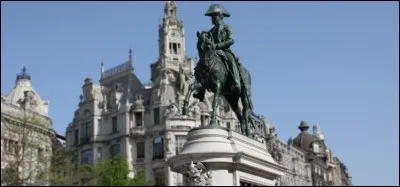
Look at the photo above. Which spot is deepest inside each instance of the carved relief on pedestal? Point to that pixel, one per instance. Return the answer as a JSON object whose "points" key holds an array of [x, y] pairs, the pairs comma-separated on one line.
{"points": [[197, 175]]}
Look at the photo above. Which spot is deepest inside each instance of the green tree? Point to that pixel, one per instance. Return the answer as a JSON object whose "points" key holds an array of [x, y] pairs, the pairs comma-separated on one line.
{"points": [[114, 172], [59, 167]]}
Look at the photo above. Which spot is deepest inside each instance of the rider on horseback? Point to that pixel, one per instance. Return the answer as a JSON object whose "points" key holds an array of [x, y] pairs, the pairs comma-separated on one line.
{"points": [[223, 39]]}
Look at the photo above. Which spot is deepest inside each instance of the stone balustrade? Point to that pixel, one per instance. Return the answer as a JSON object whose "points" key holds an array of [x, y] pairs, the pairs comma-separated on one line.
{"points": [[16, 112]]}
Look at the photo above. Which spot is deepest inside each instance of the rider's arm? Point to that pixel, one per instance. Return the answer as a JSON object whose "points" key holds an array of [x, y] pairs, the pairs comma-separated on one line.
{"points": [[229, 38]]}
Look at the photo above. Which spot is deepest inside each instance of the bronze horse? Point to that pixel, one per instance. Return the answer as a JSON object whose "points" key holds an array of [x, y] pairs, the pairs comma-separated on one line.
{"points": [[212, 74]]}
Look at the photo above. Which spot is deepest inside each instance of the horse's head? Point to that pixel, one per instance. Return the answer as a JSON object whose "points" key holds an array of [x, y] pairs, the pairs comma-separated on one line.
{"points": [[204, 42]]}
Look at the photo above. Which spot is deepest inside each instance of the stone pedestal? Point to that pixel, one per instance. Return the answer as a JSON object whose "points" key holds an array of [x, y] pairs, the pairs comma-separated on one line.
{"points": [[218, 157]]}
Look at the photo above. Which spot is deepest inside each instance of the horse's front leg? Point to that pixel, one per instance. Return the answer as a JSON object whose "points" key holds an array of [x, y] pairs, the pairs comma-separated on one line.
{"points": [[192, 87], [215, 105]]}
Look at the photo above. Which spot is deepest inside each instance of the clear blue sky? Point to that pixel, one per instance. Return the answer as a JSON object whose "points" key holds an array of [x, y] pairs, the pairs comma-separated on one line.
{"points": [[330, 63]]}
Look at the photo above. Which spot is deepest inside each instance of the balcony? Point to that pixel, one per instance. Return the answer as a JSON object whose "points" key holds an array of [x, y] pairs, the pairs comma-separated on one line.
{"points": [[137, 131]]}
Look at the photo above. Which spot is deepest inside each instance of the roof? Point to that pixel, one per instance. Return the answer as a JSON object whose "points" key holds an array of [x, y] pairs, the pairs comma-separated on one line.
{"points": [[304, 140], [23, 88]]}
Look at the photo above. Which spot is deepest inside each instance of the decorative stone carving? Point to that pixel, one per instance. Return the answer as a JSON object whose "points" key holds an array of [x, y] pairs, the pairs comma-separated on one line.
{"points": [[197, 175], [138, 100], [29, 101], [104, 103], [118, 87], [183, 84], [164, 80], [172, 109], [116, 94], [273, 147], [258, 138], [194, 110]]}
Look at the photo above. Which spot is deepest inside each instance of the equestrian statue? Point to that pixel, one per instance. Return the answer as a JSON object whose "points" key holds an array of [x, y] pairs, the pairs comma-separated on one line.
{"points": [[220, 72]]}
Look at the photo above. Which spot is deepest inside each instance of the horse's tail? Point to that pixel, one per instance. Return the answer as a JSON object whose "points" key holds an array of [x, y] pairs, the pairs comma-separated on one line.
{"points": [[245, 75], [255, 121]]}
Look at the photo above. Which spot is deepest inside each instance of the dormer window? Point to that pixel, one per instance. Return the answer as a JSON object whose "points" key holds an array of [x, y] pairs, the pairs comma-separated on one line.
{"points": [[315, 147]]}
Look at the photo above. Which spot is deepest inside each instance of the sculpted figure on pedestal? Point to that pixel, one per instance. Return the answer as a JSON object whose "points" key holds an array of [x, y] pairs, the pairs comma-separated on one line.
{"points": [[197, 175]]}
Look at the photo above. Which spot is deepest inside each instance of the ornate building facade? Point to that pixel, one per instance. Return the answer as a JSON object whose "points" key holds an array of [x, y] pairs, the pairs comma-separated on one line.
{"points": [[26, 133], [143, 121], [309, 161]]}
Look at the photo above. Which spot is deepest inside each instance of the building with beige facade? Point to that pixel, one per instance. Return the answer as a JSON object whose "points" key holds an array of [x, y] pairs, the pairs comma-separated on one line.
{"points": [[26, 133]]}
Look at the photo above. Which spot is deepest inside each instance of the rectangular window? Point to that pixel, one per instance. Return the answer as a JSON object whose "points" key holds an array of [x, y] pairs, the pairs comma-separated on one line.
{"points": [[228, 125], [88, 130], [158, 148], [114, 124], [202, 118], [99, 127], [115, 149], [170, 48], [180, 141], [140, 150], [76, 137], [138, 119], [82, 130], [156, 112], [86, 157]]}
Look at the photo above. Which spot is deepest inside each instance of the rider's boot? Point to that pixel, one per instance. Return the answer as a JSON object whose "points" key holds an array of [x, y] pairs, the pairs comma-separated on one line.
{"points": [[236, 78]]}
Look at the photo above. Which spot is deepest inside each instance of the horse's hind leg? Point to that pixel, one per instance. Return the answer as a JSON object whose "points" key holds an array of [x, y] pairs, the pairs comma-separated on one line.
{"points": [[215, 104], [192, 87], [234, 102]]}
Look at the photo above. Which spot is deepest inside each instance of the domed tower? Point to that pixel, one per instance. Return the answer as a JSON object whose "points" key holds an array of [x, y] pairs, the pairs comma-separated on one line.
{"points": [[309, 142], [23, 95]]}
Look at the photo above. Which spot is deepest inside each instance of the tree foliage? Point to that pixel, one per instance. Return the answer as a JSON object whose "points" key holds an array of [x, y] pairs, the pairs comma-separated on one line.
{"points": [[114, 172], [109, 172]]}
